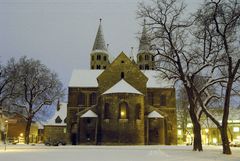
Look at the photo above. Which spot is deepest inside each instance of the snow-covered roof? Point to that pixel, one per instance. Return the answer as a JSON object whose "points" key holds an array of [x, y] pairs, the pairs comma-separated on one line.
{"points": [[122, 87], [84, 78], [61, 113], [155, 81], [155, 114], [88, 78], [89, 113]]}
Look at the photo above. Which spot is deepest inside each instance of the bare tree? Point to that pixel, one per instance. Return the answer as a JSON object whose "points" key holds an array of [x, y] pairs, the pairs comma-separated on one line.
{"points": [[37, 87], [170, 32], [220, 23], [7, 80]]}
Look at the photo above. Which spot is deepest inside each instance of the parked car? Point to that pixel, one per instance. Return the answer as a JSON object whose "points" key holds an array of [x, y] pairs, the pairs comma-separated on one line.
{"points": [[235, 143], [54, 142]]}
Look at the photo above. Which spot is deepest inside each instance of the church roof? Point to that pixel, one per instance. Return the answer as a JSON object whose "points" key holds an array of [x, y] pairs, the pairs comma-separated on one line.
{"points": [[99, 43], [61, 113], [84, 78], [122, 87], [89, 113], [155, 114], [88, 78]]}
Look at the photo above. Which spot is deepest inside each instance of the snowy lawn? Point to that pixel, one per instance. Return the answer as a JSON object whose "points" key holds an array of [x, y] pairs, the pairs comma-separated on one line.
{"points": [[114, 153]]}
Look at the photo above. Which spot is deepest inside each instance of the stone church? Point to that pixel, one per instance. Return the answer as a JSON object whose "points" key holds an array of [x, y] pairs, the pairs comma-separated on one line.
{"points": [[121, 101]]}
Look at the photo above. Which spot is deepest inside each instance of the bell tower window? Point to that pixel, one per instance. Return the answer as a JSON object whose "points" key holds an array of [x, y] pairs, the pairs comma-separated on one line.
{"points": [[98, 57], [98, 66]]}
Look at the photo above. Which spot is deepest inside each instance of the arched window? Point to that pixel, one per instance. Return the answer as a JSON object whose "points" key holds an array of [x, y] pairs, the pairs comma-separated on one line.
{"points": [[150, 98], [93, 98], [146, 67], [163, 100], [106, 111], [153, 58], [58, 120], [98, 66], [98, 57], [123, 110], [146, 57], [105, 58], [140, 58], [122, 75], [138, 112], [81, 99]]}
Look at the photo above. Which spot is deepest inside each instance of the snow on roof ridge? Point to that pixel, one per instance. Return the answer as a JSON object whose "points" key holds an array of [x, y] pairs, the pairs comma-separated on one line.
{"points": [[89, 113], [62, 113], [122, 87], [155, 114]]}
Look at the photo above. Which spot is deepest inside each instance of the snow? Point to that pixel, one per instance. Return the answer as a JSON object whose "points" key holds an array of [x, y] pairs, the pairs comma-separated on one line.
{"points": [[155, 114], [155, 81], [89, 113], [88, 78], [84, 78], [122, 87], [62, 113], [114, 153]]}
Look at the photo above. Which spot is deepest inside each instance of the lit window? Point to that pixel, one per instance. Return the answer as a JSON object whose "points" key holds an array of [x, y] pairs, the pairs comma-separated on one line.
{"points": [[236, 129], [123, 110]]}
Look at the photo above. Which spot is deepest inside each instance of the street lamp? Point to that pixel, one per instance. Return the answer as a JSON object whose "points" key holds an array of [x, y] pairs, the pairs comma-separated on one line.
{"points": [[6, 132]]}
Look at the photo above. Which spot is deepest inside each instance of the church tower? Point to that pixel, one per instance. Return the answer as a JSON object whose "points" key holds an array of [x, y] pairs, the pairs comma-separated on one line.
{"points": [[99, 55], [145, 58]]}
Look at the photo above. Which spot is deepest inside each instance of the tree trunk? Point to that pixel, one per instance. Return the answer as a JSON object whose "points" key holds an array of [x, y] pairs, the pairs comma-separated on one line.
{"points": [[225, 142], [197, 141], [27, 130]]}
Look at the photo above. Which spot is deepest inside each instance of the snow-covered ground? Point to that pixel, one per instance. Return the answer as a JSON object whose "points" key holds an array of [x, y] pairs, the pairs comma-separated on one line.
{"points": [[114, 153]]}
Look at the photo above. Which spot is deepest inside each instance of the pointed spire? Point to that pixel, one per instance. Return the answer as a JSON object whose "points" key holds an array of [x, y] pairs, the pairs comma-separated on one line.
{"points": [[145, 40], [99, 43], [131, 55]]}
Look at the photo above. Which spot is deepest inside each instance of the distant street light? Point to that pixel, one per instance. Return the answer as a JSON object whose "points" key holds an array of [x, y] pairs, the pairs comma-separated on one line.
{"points": [[6, 134]]}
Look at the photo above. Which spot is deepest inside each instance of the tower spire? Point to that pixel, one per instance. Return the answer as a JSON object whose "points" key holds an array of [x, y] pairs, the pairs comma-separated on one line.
{"points": [[144, 45], [99, 43]]}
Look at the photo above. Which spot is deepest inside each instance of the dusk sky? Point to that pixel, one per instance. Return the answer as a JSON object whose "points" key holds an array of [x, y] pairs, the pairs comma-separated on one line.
{"points": [[61, 33]]}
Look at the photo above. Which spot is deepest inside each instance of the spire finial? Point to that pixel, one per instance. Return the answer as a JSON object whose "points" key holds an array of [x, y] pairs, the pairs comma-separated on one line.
{"points": [[99, 43], [100, 20], [144, 21]]}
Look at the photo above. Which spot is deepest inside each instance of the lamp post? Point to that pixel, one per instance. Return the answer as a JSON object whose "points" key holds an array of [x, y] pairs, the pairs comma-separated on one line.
{"points": [[6, 132]]}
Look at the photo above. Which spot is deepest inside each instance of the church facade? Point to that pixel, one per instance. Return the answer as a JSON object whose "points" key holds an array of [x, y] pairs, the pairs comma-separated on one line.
{"points": [[121, 102]]}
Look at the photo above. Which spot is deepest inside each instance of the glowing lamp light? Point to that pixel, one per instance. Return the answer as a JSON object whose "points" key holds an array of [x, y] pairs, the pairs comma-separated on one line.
{"points": [[179, 132], [236, 129], [21, 134], [206, 130], [122, 113], [214, 140]]}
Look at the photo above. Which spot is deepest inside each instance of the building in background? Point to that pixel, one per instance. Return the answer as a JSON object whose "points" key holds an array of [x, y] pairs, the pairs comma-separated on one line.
{"points": [[210, 133], [55, 128]]}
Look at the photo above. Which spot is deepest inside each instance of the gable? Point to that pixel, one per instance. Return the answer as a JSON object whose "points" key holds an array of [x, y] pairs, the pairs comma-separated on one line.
{"points": [[122, 68]]}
